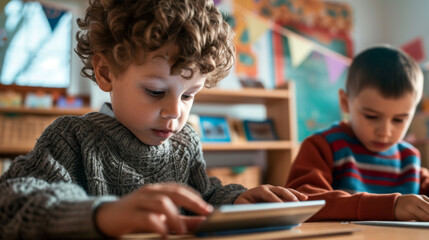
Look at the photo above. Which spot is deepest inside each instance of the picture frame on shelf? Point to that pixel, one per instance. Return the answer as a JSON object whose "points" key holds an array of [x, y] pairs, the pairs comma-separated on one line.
{"points": [[214, 129], [237, 130], [260, 130], [251, 83]]}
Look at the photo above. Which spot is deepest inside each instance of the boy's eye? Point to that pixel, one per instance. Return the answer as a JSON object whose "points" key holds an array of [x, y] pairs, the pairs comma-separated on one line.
{"points": [[398, 120], [371, 116], [154, 93], [186, 97]]}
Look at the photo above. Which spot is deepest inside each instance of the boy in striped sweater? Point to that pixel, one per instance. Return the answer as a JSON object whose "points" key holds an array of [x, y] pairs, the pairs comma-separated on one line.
{"points": [[361, 167]]}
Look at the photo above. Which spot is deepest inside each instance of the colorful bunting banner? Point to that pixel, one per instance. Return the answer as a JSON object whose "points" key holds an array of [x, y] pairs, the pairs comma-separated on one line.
{"points": [[53, 15], [256, 28], [415, 49], [335, 68], [299, 49]]}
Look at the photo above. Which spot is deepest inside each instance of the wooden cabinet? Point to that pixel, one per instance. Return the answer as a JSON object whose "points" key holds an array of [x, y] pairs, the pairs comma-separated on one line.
{"points": [[280, 106], [20, 126]]}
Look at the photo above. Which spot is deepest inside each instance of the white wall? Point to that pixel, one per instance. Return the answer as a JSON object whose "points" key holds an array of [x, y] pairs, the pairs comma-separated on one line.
{"points": [[393, 22]]}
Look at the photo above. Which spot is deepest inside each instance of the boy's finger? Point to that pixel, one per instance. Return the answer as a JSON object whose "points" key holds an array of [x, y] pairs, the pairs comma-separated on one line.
{"points": [[151, 222], [192, 202], [182, 196], [285, 194], [193, 222], [424, 208], [162, 204], [268, 194], [298, 194]]}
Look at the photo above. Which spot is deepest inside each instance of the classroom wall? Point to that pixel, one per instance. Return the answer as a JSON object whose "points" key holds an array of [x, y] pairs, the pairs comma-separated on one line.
{"points": [[389, 21], [375, 22]]}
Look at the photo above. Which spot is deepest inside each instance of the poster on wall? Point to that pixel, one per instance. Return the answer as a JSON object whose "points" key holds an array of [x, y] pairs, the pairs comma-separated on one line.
{"points": [[304, 41]]}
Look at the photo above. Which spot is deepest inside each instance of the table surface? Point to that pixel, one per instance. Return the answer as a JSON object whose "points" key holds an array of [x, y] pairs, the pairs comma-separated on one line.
{"points": [[318, 230]]}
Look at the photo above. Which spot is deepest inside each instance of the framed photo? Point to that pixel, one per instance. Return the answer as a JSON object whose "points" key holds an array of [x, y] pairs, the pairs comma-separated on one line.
{"points": [[214, 129], [260, 130], [237, 130], [251, 83]]}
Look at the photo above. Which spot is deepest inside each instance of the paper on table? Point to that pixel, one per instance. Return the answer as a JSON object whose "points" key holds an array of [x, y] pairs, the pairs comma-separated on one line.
{"points": [[395, 223]]}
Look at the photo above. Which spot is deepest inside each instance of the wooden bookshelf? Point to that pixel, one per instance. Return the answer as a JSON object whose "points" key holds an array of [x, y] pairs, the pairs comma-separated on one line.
{"points": [[46, 111], [20, 126], [280, 106]]}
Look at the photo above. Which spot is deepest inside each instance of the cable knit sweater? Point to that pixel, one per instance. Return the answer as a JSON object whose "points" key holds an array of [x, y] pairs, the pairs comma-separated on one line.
{"points": [[81, 162]]}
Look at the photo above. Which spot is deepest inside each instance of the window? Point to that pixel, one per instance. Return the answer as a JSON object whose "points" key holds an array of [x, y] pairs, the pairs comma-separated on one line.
{"points": [[36, 51]]}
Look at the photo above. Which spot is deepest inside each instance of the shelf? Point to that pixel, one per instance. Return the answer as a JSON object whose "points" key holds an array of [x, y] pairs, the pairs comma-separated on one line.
{"points": [[280, 107], [14, 151], [234, 96], [245, 146], [47, 111]]}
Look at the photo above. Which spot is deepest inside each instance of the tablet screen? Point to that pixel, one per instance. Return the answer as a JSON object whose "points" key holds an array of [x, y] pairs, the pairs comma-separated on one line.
{"points": [[230, 219]]}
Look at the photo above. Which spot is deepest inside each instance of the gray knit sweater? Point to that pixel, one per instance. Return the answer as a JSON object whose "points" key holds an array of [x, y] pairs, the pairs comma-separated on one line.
{"points": [[81, 162]]}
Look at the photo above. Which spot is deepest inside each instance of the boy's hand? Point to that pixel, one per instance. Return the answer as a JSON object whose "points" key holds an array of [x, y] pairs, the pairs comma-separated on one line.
{"points": [[412, 207], [269, 193], [152, 208]]}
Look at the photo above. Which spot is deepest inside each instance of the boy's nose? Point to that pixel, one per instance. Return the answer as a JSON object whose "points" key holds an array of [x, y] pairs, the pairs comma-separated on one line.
{"points": [[171, 109], [384, 130]]}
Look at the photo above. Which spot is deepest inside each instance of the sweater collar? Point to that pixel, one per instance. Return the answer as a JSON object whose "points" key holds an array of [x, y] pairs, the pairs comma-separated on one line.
{"points": [[106, 109], [122, 135]]}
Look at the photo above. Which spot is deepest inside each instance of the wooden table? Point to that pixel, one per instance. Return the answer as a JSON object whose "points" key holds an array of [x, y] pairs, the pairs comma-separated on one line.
{"points": [[320, 231]]}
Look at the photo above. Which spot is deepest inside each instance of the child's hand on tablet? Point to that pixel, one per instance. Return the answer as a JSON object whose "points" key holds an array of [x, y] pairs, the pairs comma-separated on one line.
{"points": [[269, 193], [153, 208]]}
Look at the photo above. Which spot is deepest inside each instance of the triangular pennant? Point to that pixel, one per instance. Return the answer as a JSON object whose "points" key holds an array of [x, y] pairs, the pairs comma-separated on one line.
{"points": [[415, 49], [53, 15], [299, 49], [335, 68], [256, 28]]}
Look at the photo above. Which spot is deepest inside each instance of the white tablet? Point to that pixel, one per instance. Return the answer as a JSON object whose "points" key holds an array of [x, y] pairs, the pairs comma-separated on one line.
{"points": [[244, 218]]}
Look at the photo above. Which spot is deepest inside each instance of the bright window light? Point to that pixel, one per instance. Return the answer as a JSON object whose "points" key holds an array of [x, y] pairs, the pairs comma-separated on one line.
{"points": [[34, 54]]}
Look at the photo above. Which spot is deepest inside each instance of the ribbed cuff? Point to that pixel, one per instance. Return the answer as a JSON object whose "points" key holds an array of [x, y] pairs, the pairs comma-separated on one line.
{"points": [[377, 207], [75, 220]]}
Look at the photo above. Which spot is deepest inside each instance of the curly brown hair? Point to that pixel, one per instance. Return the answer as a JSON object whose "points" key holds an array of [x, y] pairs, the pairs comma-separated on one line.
{"points": [[119, 28]]}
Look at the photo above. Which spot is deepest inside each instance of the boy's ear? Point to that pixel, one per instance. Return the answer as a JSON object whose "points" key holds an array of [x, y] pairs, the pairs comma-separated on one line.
{"points": [[102, 72], [344, 101]]}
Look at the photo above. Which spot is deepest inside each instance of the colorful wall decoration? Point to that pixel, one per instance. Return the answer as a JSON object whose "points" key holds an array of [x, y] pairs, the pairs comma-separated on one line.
{"points": [[304, 41]]}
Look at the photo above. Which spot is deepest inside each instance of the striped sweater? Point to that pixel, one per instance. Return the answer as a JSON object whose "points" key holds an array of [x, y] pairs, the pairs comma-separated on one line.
{"points": [[355, 183], [358, 170]]}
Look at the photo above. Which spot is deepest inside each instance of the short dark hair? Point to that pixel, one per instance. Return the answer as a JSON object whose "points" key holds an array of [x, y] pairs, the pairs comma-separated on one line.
{"points": [[389, 70], [119, 28]]}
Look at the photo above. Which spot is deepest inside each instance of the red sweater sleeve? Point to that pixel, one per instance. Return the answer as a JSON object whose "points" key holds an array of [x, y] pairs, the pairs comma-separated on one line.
{"points": [[311, 174], [424, 181]]}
